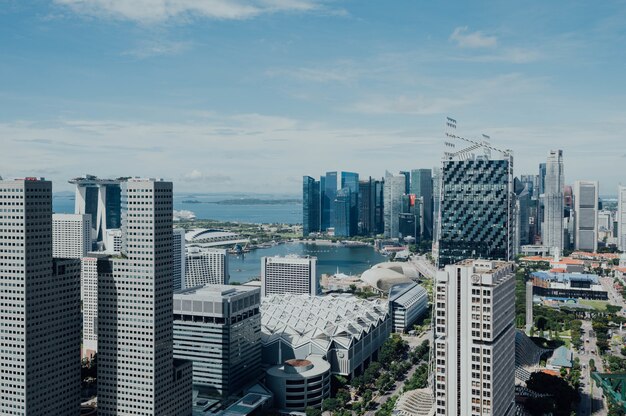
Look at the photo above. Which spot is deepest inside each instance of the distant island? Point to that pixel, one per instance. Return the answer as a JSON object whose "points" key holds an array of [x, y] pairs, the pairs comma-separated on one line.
{"points": [[256, 201], [191, 201]]}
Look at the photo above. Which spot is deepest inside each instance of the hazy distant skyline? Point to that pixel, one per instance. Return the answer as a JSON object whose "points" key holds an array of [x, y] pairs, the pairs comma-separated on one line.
{"points": [[249, 95]]}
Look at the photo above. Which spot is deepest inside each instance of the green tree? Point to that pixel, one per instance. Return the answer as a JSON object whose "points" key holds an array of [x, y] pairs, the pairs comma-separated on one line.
{"points": [[311, 411]]}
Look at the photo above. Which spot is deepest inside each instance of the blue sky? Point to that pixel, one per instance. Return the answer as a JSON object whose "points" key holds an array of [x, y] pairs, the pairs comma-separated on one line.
{"points": [[249, 95]]}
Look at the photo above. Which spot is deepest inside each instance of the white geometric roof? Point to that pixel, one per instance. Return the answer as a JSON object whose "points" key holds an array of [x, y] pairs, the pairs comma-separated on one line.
{"points": [[323, 320]]}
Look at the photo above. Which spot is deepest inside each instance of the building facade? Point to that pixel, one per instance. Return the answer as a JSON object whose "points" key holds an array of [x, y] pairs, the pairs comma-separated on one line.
{"points": [[408, 302], [92, 265], [621, 217], [475, 339], [218, 329], [552, 232], [71, 235], [290, 274], [178, 258], [137, 373], [205, 266], [422, 188], [586, 196], [40, 319], [477, 210], [99, 198], [393, 191], [311, 206]]}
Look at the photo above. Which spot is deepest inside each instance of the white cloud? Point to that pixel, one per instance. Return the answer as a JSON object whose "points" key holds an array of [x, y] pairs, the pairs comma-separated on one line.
{"points": [[156, 11], [478, 39], [157, 47]]}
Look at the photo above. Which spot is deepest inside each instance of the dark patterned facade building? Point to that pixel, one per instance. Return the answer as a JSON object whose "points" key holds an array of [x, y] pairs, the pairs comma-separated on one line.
{"points": [[311, 206], [477, 207]]}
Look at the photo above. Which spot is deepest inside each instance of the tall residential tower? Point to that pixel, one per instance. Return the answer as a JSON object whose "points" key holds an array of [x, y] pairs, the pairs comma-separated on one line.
{"points": [[552, 232]]}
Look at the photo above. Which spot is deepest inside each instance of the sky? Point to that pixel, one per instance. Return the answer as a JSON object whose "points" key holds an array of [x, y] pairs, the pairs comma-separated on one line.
{"points": [[250, 95]]}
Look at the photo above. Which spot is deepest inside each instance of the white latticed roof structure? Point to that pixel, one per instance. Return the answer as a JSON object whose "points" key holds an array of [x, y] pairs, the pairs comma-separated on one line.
{"points": [[415, 403], [345, 330]]}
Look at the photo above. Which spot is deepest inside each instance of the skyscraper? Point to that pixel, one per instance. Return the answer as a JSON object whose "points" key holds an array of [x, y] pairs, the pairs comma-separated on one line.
{"points": [[218, 328], [71, 235], [99, 198], [367, 208], [393, 192], [350, 180], [422, 187], [586, 195], [40, 318], [311, 206], [178, 258], [477, 205], [436, 202], [329, 188], [137, 373], [343, 213], [621, 217], [475, 339], [407, 181], [291, 274], [553, 201], [523, 204]]}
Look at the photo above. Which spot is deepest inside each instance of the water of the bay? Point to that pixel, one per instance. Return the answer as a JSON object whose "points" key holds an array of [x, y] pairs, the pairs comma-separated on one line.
{"points": [[204, 207], [330, 258]]}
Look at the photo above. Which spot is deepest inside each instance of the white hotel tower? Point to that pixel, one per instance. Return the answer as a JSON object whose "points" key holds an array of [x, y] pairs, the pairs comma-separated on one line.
{"points": [[290, 274], [475, 339]]}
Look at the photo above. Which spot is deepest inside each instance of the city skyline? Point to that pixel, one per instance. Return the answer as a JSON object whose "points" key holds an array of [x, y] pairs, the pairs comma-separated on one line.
{"points": [[213, 95]]}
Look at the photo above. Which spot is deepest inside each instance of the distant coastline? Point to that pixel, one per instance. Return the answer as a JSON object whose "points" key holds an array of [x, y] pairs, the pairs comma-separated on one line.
{"points": [[256, 201]]}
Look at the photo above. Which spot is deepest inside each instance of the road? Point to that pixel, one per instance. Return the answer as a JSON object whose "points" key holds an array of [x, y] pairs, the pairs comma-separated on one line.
{"points": [[591, 402], [424, 266], [397, 389]]}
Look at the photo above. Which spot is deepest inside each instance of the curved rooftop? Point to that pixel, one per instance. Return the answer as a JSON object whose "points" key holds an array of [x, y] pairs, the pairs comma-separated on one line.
{"points": [[323, 320], [383, 276], [209, 237]]}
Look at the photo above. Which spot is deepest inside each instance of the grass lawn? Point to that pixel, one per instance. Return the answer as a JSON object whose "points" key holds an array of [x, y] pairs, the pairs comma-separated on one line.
{"points": [[599, 305]]}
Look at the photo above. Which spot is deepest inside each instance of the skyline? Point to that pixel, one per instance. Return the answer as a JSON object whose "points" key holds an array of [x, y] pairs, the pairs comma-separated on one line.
{"points": [[240, 96]]}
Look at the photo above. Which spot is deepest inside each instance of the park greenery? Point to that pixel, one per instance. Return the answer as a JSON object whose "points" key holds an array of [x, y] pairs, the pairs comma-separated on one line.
{"points": [[395, 360], [562, 396]]}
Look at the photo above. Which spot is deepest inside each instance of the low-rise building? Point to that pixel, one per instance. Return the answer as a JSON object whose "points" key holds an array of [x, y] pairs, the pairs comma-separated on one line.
{"points": [[299, 383], [348, 331], [408, 302], [568, 285]]}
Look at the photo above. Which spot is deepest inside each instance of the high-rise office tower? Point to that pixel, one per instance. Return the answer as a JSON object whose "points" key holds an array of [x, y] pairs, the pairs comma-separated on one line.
{"points": [[218, 328], [366, 207], [379, 207], [350, 181], [40, 318], [407, 181], [552, 232], [393, 191], [475, 339], [290, 274], [178, 258], [311, 206], [205, 266], [99, 198], [523, 204], [477, 209], [436, 202], [343, 213], [71, 235], [422, 187], [531, 184], [541, 189], [621, 217], [137, 373], [329, 187], [94, 264], [586, 194]]}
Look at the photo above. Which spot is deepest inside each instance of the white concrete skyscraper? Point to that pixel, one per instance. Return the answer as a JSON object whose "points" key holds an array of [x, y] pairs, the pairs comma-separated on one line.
{"points": [[40, 312], [290, 274], [71, 235], [586, 215], [394, 189], [475, 339], [554, 201], [137, 373], [621, 217]]}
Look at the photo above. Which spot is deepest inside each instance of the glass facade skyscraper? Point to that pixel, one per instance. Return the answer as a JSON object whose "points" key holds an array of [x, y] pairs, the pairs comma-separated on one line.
{"points": [[476, 210], [422, 187], [311, 206], [343, 211], [329, 192]]}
